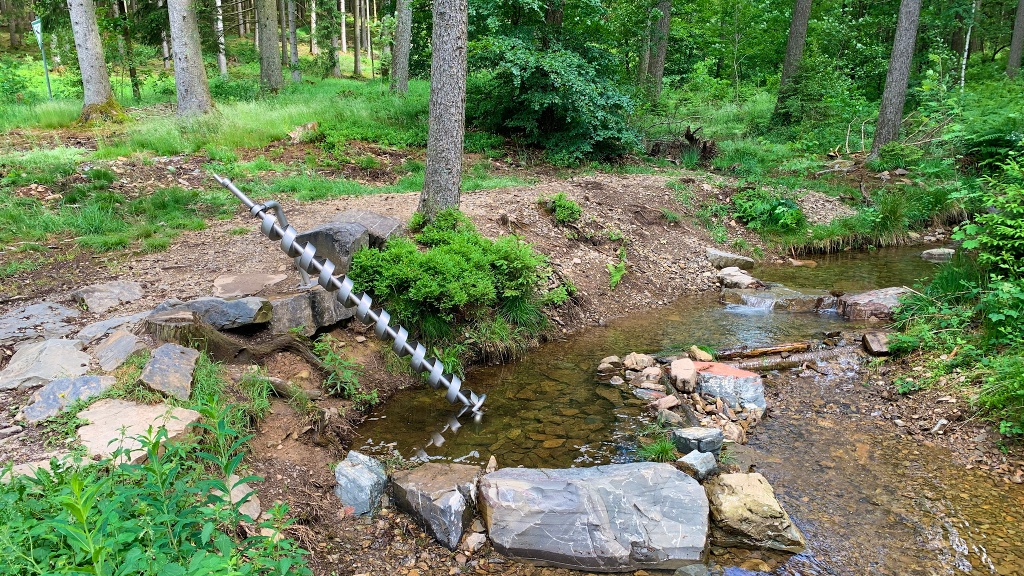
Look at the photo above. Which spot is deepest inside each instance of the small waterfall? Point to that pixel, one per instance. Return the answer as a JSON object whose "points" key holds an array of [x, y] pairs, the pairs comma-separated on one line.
{"points": [[759, 302]]}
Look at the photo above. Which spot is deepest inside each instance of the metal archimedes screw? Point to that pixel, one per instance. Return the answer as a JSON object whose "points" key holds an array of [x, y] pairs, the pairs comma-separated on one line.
{"points": [[276, 228]]}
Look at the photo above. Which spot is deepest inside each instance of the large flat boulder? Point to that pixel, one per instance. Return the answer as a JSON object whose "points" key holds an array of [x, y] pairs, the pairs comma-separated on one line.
{"points": [[379, 227], [337, 242], [615, 518], [224, 313], [36, 322], [361, 482], [99, 298], [733, 277], [873, 305], [97, 330], [115, 424], [737, 387], [442, 497], [113, 351], [51, 399], [38, 363], [307, 311], [235, 285], [747, 514], [721, 259], [170, 370]]}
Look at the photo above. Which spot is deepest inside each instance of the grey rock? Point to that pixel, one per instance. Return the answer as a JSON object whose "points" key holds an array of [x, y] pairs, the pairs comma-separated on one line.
{"points": [[938, 254], [692, 570], [876, 343], [361, 481], [720, 259], [684, 375], [235, 285], [307, 311], [380, 228], [36, 322], [337, 242], [670, 418], [698, 438], [51, 399], [40, 362], [223, 313], [99, 298], [940, 426], [613, 518], [116, 424], [733, 277], [97, 330], [872, 305], [648, 395], [9, 431], [441, 497], [699, 464], [474, 542], [113, 351], [747, 514], [170, 370], [737, 387]]}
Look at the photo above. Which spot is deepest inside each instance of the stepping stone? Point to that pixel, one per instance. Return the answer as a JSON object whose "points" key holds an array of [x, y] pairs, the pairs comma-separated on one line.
{"points": [[361, 481], [938, 254], [740, 388], [441, 497], [104, 435], [872, 305], [720, 259], [53, 398], [36, 322], [697, 438], [170, 370], [380, 228], [97, 330], [99, 298], [222, 313], [699, 464], [41, 362], [113, 351], [233, 285]]}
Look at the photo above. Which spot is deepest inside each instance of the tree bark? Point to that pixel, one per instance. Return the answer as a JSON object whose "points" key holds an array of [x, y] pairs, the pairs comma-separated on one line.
{"points": [[890, 113], [344, 25], [98, 98], [656, 68], [446, 123], [313, 48], [164, 45], [1016, 43], [270, 59], [293, 43], [283, 11], [240, 18], [403, 46], [967, 44], [218, 27], [357, 53], [794, 56], [189, 73]]}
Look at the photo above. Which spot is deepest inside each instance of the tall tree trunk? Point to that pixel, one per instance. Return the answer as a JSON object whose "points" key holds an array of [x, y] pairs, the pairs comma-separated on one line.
{"points": [[270, 58], [284, 30], [1016, 43], [293, 43], [240, 17], [403, 45], [890, 114], [967, 44], [344, 26], [366, 27], [656, 68], [218, 28], [313, 48], [129, 52], [165, 47], [447, 120], [336, 71], [189, 73], [794, 55], [357, 53], [98, 98]]}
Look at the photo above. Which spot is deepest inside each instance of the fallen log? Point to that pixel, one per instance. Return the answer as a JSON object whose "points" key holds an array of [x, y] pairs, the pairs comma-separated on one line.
{"points": [[777, 362], [746, 352]]}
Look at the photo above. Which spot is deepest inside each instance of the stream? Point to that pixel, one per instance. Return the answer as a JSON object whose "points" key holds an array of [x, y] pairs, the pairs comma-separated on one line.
{"points": [[868, 500]]}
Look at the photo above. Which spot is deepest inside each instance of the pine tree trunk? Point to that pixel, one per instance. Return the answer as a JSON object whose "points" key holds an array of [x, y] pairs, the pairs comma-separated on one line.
{"points": [[283, 11], [313, 48], [446, 124], [357, 53], [270, 59], [403, 45], [218, 28], [344, 25], [336, 71], [890, 114], [98, 98], [240, 18], [1016, 43], [656, 68], [293, 43], [794, 54], [164, 46], [189, 72]]}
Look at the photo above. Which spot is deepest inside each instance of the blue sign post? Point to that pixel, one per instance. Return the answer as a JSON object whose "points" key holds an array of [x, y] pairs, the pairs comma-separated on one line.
{"points": [[37, 27]]}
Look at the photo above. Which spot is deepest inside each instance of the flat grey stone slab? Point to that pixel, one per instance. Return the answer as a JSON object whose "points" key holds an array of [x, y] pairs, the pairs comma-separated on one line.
{"points": [[234, 285], [442, 497], [224, 313], [170, 370], [938, 254], [53, 398], [113, 351], [99, 298], [872, 305], [380, 228], [337, 242], [698, 438], [97, 330], [38, 363], [36, 322], [361, 482], [876, 343], [698, 464], [615, 518], [721, 259], [737, 387], [108, 417]]}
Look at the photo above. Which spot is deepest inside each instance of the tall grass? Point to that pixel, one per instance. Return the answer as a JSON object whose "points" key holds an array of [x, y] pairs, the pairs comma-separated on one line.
{"points": [[52, 114]]}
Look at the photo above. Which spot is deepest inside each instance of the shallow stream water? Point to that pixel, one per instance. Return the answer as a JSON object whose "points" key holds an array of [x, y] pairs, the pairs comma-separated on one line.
{"points": [[869, 501]]}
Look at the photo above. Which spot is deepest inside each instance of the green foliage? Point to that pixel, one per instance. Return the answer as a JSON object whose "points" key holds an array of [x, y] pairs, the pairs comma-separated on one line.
{"points": [[564, 209], [897, 155], [997, 232], [764, 211], [661, 449], [1002, 391], [990, 128], [615, 273], [342, 374], [670, 216]]}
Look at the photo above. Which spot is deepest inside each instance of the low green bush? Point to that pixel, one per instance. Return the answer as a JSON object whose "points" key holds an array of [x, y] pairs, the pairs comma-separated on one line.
{"points": [[764, 211], [564, 209]]}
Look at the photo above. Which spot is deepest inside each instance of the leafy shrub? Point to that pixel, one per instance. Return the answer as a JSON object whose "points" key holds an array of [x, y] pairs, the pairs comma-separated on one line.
{"points": [[1002, 307], [997, 231], [990, 129], [1003, 391], [234, 90], [762, 210], [13, 86], [342, 374], [564, 209], [897, 155]]}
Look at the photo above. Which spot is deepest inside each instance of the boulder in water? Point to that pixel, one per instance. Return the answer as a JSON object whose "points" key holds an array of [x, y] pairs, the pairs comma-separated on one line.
{"points": [[739, 388], [747, 514], [938, 254], [733, 277], [872, 305]]}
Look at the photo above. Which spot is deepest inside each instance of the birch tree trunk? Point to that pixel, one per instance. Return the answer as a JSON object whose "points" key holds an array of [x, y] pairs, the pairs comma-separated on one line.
{"points": [[446, 123], [344, 25], [890, 113], [1016, 43], [794, 55], [357, 53], [656, 68], [98, 98], [293, 43], [218, 27], [189, 73], [240, 18], [403, 45], [313, 48], [967, 44], [270, 58]]}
